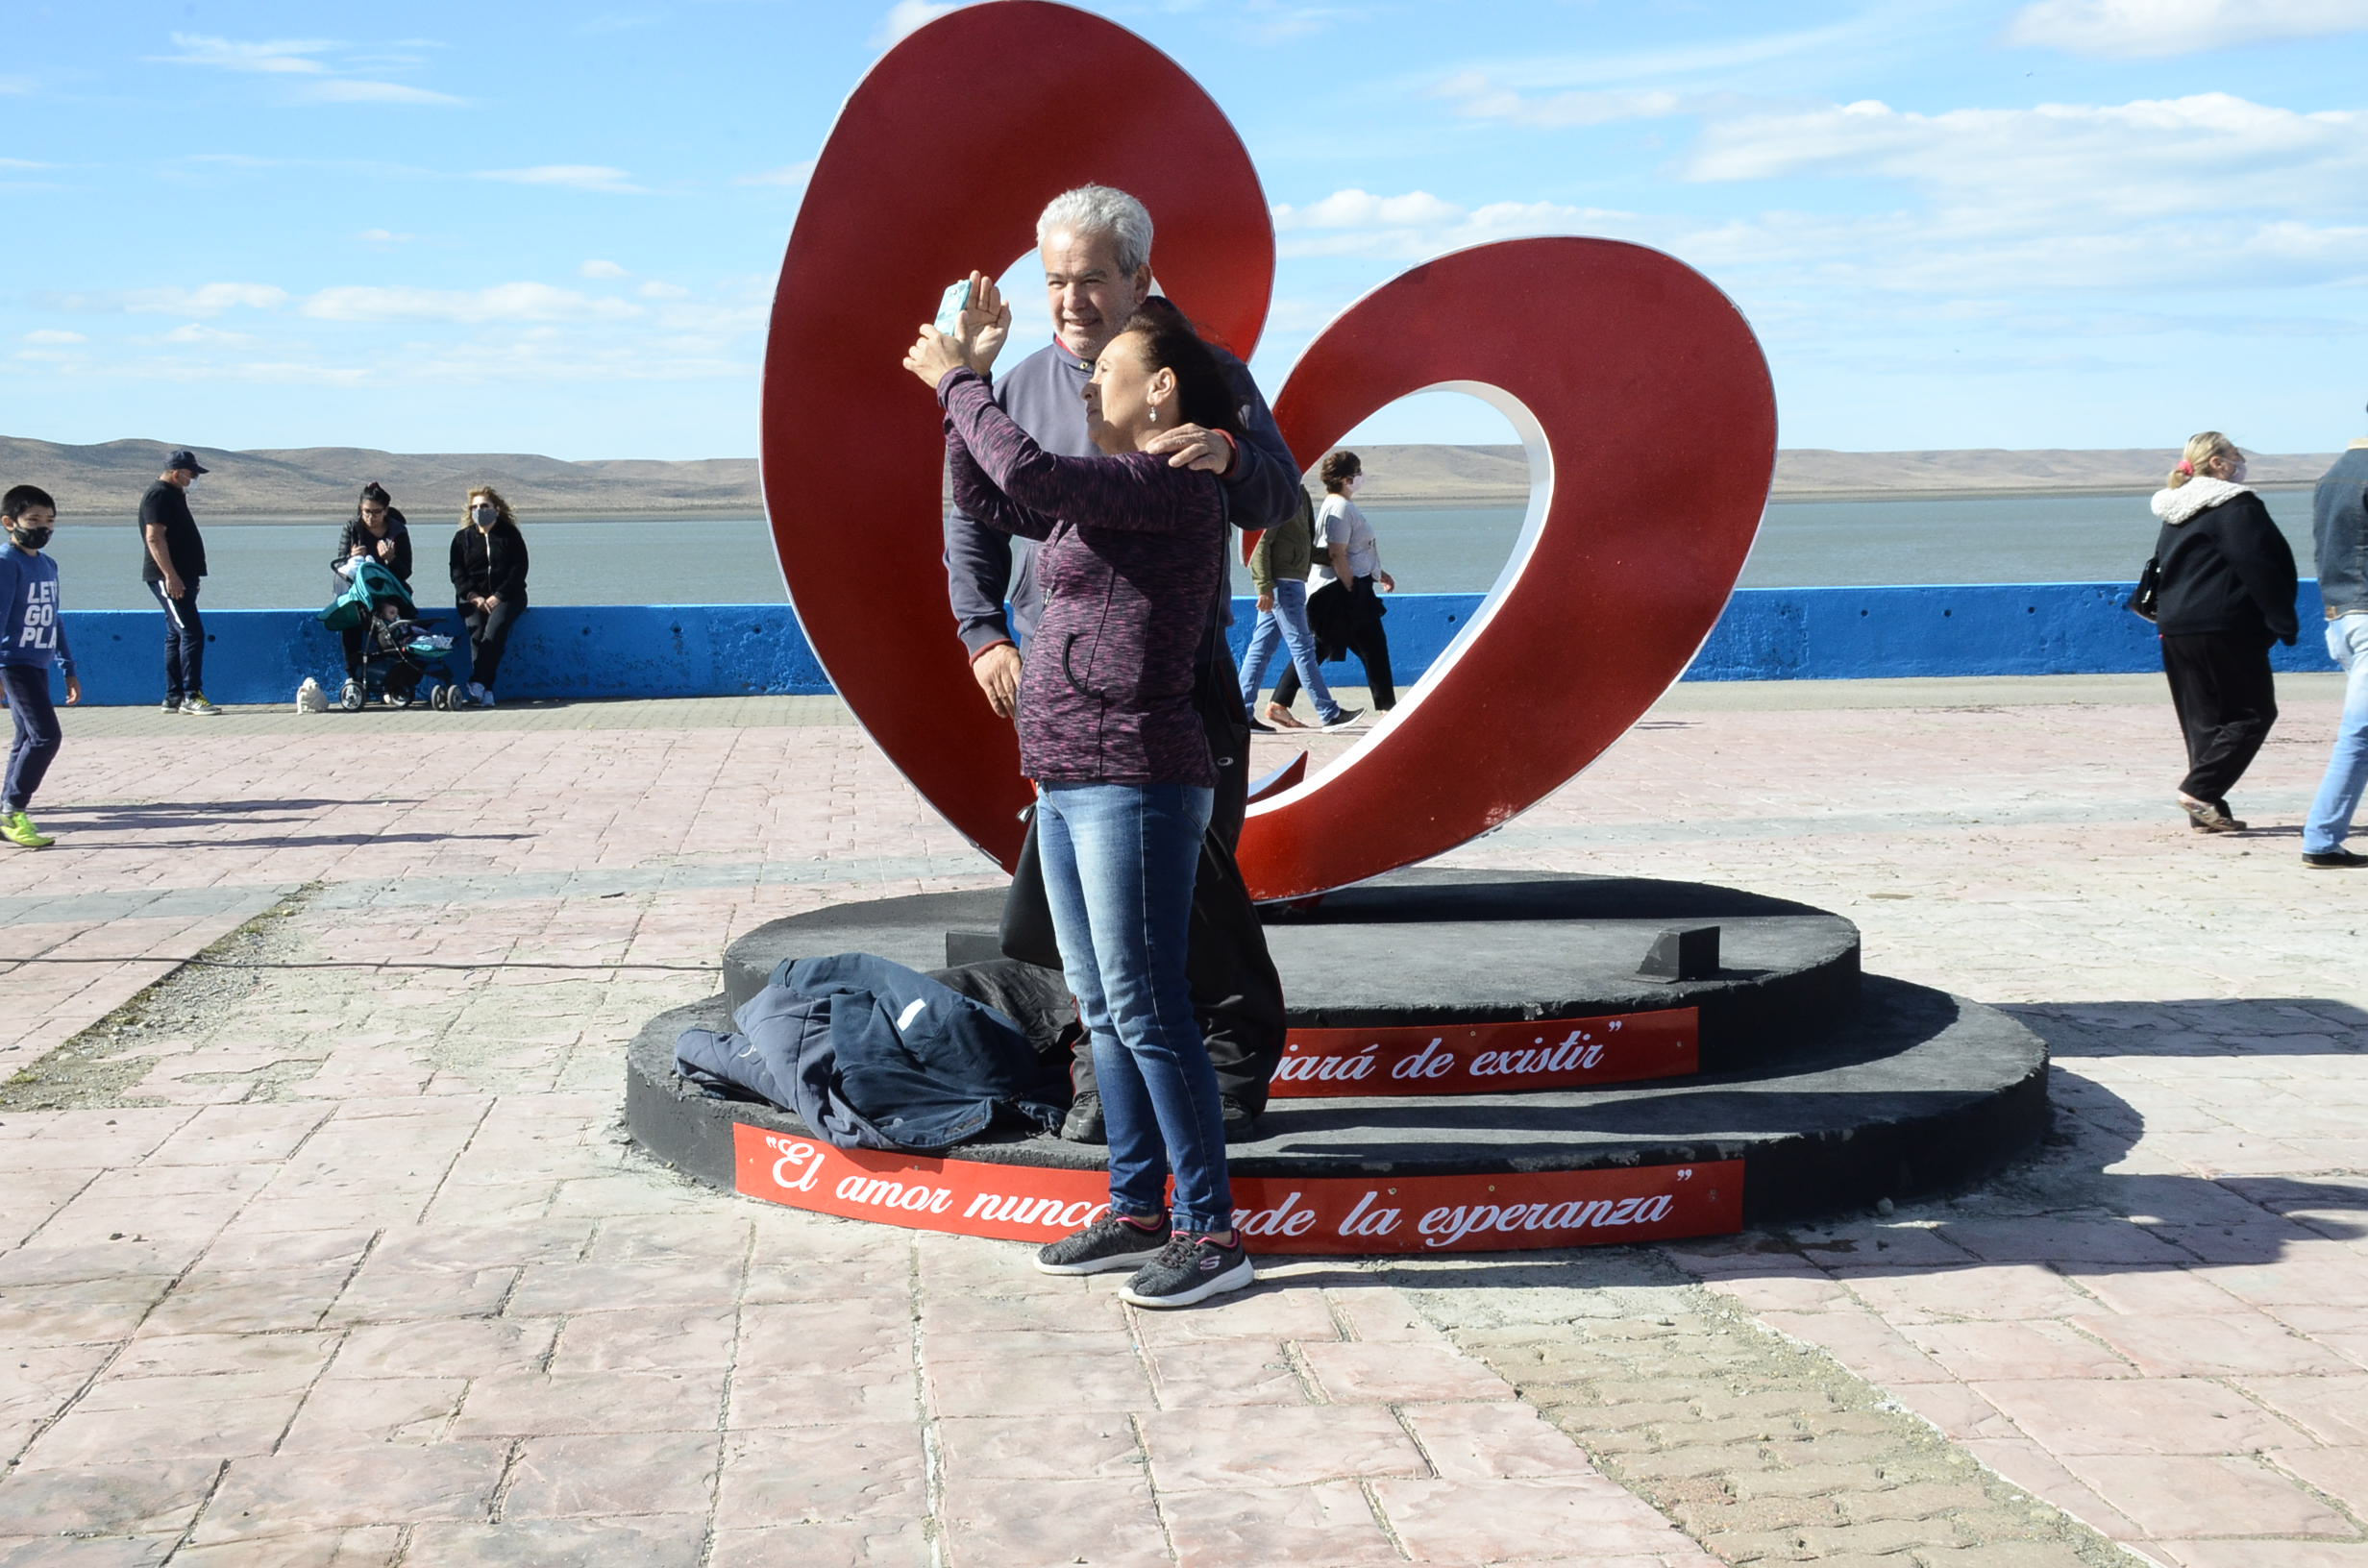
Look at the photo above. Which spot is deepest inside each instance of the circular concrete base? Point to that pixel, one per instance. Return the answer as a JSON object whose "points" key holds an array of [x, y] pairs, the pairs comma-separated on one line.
{"points": [[1920, 1092], [1426, 949]]}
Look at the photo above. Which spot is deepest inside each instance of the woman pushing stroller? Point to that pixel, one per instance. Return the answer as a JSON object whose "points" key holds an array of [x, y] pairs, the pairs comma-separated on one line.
{"points": [[1131, 551]]}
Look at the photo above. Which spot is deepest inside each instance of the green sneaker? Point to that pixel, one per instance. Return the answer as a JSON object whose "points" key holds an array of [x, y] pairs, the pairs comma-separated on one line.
{"points": [[17, 828], [195, 702]]}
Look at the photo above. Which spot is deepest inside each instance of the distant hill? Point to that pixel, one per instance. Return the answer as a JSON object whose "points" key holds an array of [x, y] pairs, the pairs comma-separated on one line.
{"points": [[106, 480]]}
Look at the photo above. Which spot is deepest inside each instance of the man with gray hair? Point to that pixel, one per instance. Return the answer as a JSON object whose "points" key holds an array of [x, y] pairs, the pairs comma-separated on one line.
{"points": [[1096, 246]]}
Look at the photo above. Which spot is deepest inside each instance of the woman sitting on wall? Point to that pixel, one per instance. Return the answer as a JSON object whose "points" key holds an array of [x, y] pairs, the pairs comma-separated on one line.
{"points": [[375, 533], [1131, 553], [489, 582]]}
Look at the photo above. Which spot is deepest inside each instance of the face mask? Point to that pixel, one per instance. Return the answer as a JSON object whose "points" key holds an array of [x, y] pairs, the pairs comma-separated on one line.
{"points": [[30, 538], [483, 516]]}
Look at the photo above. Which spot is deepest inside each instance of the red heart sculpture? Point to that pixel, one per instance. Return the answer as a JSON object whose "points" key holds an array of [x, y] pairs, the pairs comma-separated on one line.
{"points": [[1652, 427]]}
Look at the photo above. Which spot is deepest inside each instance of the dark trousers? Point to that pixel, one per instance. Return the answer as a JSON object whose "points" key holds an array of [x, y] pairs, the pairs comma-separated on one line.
{"points": [[488, 636], [1237, 995], [2226, 699], [185, 642], [352, 637], [37, 734], [1366, 639]]}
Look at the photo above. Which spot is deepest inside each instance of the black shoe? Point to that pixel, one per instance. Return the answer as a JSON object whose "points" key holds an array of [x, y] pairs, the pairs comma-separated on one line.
{"points": [[2332, 860], [1190, 1269], [1108, 1243], [172, 704], [1262, 728], [1084, 1124], [1241, 1121]]}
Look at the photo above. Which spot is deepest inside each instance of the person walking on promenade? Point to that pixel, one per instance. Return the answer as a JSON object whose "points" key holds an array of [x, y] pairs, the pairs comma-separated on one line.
{"points": [[489, 584], [1344, 608], [375, 532], [31, 639], [1278, 568], [2226, 592], [173, 563], [1094, 244], [1131, 556], [2339, 533]]}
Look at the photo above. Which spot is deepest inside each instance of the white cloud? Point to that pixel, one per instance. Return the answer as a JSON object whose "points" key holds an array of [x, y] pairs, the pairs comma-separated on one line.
{"points": [[206, 300], [570, 176], [502, 302], [10, 85], [50, 334], [385, 237], [656, 290], [909, 16], [281, 57], [348, 90], [198, 333], [597, 268], [2075, 162], [789, 174], [1477, 95], [2152, 29], [20, 163], [1358, 222]]}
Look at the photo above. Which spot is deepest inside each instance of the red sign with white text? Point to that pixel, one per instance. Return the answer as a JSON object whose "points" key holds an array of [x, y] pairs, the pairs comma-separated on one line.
{"points": [[1489, 1058], [1357, 1214]]}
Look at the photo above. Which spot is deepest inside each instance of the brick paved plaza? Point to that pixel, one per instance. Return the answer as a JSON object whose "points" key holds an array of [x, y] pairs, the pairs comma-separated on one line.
{"points": [[353, 1266]]}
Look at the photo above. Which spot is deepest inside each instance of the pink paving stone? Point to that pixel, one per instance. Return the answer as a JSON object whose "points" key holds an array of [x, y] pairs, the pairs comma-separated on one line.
{"points": [[274, 1495], [805, 1399], [547, 1289], [1349, 1371], [248, 1300], [1226, 1447], [2044, 1240], [1225, 1372], [1040, 1447], [237, 1251], [669, 1541], [1379, 1314], [41, 1264], [1070, 1310], [121, 1551], [79, 1312], [234, 1135], [1804, 1292], [107, 1498], [1993, 1292], [361, 1413], [1496, 1520], [34, 1382], [534, 1405], [1330, 1523], [1977, 1352], [1956, 1410], [2341, 1473], [868, 1544], [404, 1292], [370, 1546], [2175, 1495], [2333, 1409], [1887, 1246], [1863, 1342], [2137, 1415], [2041, 1474], [460, 1248], [1038, 1384], [2239, 1344], [556, 1477], [1000, 1523], [1252, 1315], [461, 1348], [183, 1428], [2140, 1291], [635, 1341], [1495, 1440], [821, 1475], [2259, 1553]]}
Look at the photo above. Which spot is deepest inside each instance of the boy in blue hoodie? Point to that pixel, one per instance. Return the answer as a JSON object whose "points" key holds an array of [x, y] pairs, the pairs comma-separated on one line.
{"points": [[31, 639]]}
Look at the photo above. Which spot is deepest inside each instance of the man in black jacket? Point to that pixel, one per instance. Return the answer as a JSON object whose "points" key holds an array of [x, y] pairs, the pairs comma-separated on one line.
{"points": [[172, 563], [1096, 247]]}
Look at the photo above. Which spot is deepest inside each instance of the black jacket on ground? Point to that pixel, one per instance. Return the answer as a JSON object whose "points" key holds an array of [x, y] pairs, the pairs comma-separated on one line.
{"points": [[357, 535], [491, 563], [2226, 569]]}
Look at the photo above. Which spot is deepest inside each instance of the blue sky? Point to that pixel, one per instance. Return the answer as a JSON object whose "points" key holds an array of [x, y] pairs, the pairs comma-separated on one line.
{"points": [[525, 227]]}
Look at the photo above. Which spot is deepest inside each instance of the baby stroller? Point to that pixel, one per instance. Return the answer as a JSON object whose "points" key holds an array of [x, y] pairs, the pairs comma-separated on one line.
{"points": [[400, 653]]}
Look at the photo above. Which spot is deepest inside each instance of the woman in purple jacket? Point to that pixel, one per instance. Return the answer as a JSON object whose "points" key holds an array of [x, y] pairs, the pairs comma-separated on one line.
{"points": [[1131, 553]]}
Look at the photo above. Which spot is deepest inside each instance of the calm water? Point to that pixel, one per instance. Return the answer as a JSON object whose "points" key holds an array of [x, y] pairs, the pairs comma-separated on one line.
{"points": [[711, 560]]}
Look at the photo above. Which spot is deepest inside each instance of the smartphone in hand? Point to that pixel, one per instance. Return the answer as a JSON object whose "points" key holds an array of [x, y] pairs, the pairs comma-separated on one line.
{"points": [[950, 308]]}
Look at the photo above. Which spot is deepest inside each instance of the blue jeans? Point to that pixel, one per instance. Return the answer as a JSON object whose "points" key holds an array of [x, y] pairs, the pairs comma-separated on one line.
{"points": [[1286, 623], [185, 642], [2347, 771], [37, 734], [1119, 863]]}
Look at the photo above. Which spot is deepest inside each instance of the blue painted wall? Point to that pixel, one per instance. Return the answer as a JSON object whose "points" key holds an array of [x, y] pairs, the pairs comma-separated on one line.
{"points": [[2045, 628]]}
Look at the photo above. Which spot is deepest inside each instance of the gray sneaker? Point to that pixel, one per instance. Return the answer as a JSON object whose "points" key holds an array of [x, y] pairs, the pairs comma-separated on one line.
{"points": [[1189, 1270], [195, 702], [1108, 1243], [1084, 1122]]}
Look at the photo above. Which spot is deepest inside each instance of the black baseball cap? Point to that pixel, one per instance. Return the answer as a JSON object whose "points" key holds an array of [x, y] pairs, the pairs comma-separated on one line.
{"points": [[183, 458]]}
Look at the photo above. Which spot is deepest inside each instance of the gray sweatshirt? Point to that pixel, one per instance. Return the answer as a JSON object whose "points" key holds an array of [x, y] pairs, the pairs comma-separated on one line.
{"points": [[1045, 396]]}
